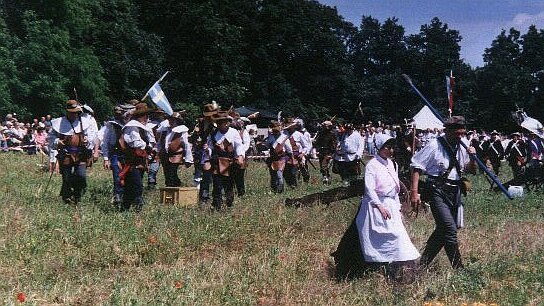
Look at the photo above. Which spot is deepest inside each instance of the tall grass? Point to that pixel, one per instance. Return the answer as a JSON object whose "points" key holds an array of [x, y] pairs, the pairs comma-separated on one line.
{"points": [[258, 253]]}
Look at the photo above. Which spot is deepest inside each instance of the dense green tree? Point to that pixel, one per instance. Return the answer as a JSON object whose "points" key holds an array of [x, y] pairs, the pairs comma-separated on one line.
{"points": [[9, 79], [501, 81]]}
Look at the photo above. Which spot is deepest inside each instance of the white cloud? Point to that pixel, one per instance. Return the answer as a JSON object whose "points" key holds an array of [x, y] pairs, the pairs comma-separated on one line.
{"points": [[523, 20]]}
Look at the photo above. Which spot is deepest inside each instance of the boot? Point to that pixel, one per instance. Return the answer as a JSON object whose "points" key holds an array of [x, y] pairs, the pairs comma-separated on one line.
{"points": [[454, 256]]}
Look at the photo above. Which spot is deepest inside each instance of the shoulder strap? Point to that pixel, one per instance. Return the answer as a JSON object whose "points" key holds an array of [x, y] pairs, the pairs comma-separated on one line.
{"points": [[453, 159]]}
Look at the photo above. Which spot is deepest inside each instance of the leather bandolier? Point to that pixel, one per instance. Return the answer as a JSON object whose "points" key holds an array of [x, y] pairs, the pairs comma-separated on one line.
{"points": [[176, 150], [222, 156], [133, 157], [74, 151], [294, 160], [278, 156]]}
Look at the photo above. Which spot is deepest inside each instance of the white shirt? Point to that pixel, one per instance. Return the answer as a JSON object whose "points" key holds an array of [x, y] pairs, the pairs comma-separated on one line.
{"points": [[63, 127], [272, 141], [110, 138], [350, 147], [232, 136], [131, 135], [188, 150], [302, 142], [433, 159]]}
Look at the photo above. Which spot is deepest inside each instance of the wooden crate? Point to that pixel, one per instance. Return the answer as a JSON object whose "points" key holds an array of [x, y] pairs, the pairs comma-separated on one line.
{"points": [[182, 196]]}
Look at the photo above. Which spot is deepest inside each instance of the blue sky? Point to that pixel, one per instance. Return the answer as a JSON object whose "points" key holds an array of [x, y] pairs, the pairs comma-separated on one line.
{"points": [[478, 21]]}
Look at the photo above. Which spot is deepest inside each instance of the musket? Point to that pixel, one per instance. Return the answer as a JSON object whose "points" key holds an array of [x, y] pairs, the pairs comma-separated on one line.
{"points": [[472, 155]]}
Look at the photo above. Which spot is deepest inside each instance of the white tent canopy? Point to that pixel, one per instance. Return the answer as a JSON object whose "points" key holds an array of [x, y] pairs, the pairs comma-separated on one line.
{"points": [[425, 119]]}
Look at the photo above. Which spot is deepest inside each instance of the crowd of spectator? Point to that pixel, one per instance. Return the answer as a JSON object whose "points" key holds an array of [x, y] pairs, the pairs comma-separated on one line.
{"points": [[28, 137]]}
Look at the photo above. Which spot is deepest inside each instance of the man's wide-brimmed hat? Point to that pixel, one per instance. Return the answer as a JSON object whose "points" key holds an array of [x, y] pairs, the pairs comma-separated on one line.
{"points": [[72, 106], [141, 109], [210, 109], [221, 115], [494, 132], [516, 134], [455, 122], [327, 123], [178, 115]]}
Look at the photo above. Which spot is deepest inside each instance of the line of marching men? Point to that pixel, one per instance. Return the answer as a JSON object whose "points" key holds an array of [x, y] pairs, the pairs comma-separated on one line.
{"points": [[140, 138]]}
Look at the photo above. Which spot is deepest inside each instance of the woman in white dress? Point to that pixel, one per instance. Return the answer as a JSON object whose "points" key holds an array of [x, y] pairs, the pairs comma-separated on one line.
{"points": [[382, 235]]}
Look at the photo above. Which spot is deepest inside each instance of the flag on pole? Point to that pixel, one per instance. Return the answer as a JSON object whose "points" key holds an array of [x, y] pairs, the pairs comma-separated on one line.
{"points": [[158, 97], [450, 82]]}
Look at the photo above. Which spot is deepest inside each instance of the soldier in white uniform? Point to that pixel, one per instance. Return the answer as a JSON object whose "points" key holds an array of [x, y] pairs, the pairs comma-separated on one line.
{"points": [[174, 148], [349, 153], [300, 149], [138, 143], [73, 137], [443, 160], [225, 148], [280, 151]]}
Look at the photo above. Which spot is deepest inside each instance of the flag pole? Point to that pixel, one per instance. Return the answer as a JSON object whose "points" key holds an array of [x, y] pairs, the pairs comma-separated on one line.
{"points": [[158, 81]]}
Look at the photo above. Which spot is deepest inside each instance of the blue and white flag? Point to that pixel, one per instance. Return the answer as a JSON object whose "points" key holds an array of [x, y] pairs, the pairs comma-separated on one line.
{"points": [[158, 97]]}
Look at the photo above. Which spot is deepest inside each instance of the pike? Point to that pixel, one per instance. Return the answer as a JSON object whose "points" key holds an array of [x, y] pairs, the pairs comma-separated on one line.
{"points": [[473, 156]]}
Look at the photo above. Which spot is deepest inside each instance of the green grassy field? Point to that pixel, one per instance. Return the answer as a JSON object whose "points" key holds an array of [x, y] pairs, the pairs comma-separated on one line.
{"points": [[258, 253]]}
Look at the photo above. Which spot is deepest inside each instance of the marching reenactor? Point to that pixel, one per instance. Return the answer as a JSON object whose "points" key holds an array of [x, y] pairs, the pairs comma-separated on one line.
{"points": [[137, 142], [534, 150], [73, 137], [482, 148], [156, 118], [280, 151], [495, 152], [349, 153], [198, 138], [304, 169], [111, 150], [225, 148], [326, 143], [89, 113], [238, 171], [300, 148], [174, 148], [443, 160], [516, 154]]}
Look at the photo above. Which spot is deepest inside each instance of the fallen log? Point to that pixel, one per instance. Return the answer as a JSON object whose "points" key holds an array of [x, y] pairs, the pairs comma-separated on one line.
{"points": [[355, 189]]}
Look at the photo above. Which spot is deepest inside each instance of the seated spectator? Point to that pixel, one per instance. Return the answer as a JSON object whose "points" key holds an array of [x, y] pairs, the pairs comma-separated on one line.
{"points": [[29, 143], [40, 138], [3, 140]]}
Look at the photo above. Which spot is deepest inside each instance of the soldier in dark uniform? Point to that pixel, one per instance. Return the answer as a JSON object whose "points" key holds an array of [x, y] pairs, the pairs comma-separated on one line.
{"points": [[443, 160], [516, 154], [198, 138], [326, 143], [495, 152], [482, 146]]}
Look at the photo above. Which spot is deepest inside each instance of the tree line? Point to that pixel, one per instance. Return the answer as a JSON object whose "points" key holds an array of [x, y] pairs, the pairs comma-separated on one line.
{"points": [[297, 56]]}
